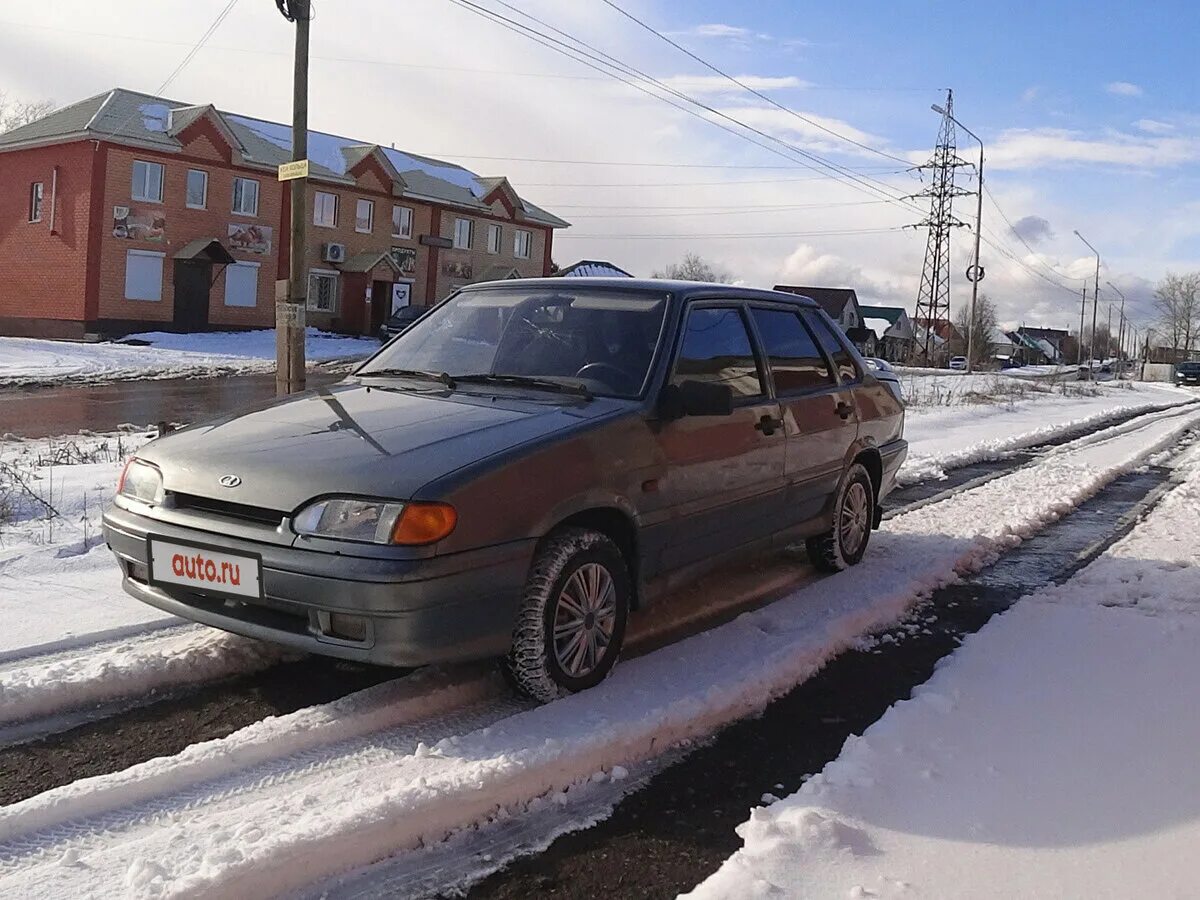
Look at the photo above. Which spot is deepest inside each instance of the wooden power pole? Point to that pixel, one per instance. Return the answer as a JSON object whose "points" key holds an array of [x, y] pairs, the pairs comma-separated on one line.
{"points": [[289, 312]]}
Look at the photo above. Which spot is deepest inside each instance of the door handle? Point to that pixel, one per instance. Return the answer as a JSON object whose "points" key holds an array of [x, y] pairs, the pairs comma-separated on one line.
{"points": [[767, 424], [844, 409]]}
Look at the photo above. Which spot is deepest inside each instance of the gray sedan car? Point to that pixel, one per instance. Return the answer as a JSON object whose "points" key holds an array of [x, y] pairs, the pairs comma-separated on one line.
{"points": [[516, 474]]}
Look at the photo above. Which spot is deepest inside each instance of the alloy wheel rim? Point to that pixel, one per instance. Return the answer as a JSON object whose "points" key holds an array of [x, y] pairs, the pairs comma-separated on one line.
{"points": [[585, 616], [853, 522]]}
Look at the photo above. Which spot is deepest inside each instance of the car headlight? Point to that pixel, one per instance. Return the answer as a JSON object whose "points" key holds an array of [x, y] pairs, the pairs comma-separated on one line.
{"points": [[376, 521], [141, 481]]}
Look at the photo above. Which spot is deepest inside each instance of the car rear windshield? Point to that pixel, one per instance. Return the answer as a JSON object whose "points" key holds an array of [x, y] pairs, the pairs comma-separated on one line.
{"points": [[603, 340]]}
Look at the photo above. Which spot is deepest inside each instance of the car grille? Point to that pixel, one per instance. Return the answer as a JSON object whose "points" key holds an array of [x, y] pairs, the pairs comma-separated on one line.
{"points": [[225, 509]]}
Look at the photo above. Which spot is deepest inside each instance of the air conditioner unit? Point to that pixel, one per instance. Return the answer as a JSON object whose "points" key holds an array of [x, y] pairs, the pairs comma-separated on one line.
{"points": [[334, 253]]}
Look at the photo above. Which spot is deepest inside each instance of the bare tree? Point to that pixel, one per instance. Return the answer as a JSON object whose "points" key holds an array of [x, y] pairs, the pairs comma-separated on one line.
{"points": [[695, 268], [984, 323], [1177, 301], [14, 113]]}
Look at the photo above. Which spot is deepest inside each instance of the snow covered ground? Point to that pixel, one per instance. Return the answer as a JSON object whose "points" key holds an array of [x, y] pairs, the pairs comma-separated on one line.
{"points": [[31, 361], [1053, 755], [290, 800]]}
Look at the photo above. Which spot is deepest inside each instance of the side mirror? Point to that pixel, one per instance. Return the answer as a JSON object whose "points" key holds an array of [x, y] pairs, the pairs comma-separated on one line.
{"points": [[695, 398]]}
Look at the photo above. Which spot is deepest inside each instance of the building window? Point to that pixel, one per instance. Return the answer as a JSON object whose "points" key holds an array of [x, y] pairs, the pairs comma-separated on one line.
{"points": [[322, 291], [494, 239], [143, 275], [522, 242], [147, 181], [245, 196], [402, 218], [325, 209], [364, 216], [36, 191], [464, 231], [241, 284], [197, 189]]}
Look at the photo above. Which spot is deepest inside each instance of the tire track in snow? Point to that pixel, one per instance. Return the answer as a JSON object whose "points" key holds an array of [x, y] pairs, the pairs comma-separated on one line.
{"points": [[346, 805]]}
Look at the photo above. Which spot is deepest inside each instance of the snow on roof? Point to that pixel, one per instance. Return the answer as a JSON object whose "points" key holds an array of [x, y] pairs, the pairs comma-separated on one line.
{"points": [[879, 326], [1047, 348], [155, 116]]}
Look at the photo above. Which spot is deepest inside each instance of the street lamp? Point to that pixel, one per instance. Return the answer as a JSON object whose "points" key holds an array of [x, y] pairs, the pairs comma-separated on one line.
{"points": [[976, 273], [1096, 296]]}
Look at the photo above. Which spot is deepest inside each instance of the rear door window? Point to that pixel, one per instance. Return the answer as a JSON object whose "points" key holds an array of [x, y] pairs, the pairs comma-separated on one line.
{"points": [[716, 348], [796, 362], [834, 345]]}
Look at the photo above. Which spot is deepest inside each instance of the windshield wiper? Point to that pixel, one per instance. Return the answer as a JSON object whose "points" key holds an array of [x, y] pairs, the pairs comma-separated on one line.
{"points": [[547, 384], [440, 377]]}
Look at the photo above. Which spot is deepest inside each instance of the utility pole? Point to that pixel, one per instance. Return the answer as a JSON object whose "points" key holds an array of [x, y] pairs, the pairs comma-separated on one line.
{"points": [[1108, 336], [289, 313], [933, 296], [1082, 307], [1121, 342], [1096, 295]]}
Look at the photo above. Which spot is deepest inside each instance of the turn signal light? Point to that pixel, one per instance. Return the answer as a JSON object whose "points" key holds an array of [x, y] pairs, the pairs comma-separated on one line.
{"points": [[424, 523]]}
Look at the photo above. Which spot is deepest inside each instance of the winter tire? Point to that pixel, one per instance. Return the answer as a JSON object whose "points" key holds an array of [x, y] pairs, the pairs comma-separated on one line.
{"points": [[571, 625], [853, 515]]}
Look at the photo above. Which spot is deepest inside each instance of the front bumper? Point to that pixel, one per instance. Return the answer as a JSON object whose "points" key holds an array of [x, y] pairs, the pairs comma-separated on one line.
{"points": [[416, 611]]}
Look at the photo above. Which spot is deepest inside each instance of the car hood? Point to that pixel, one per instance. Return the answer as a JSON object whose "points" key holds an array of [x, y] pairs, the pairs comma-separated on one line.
{"points": [[355, 439]]}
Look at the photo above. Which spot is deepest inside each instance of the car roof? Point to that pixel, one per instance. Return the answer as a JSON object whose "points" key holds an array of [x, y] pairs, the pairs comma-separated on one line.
{"points": [[683, 289]]}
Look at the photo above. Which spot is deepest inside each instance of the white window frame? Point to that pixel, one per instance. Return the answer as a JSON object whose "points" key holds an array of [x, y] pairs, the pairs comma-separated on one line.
{"points": [[238, 179], [243, 266], [144, 295], [495, 239], [139, 191], [318, 207], [332, 276], [186, 186], [37, 196], [370, 215], [406, 222], [522, 237], [459, 242]]}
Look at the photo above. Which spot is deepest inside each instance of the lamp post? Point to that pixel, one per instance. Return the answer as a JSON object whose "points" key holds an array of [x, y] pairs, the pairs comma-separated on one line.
{"points": [[1096, 296], [974, 274]]}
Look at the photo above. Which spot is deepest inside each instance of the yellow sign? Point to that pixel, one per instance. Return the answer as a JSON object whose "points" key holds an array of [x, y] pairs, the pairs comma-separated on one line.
{"points": [[297, 169]]}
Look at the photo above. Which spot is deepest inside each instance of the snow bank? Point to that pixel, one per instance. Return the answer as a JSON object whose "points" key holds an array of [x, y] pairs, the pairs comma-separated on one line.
{"points": [[32, 361], [1053, 755], [307, 814]]}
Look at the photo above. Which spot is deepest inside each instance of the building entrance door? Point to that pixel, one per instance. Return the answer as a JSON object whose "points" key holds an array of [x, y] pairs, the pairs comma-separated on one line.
{"points": [[193, 279]]}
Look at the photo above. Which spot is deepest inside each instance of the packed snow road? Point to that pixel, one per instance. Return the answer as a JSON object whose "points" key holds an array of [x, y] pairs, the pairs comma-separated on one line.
{"points": [[282, 803]]}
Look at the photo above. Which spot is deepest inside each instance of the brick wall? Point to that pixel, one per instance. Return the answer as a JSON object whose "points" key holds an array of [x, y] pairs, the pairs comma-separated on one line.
{"points": [[450, 275], [43, 272]]}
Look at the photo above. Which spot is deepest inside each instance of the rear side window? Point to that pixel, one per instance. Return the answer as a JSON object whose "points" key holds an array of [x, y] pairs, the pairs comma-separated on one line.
{"points": [[834, 345], [716, 348], [796, 362]]}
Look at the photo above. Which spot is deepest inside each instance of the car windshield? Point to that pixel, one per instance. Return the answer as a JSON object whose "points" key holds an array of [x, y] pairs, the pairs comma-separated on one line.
{"points": [[599, 340]]}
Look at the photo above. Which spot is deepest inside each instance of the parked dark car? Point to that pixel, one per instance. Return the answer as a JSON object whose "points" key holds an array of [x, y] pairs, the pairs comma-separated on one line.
{"points": [[1187, 373], [399, 321], [515, 474]]}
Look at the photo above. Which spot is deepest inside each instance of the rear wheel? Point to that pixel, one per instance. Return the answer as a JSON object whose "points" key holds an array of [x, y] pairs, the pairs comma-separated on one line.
{"points": [[571, 625], [853, 516]]}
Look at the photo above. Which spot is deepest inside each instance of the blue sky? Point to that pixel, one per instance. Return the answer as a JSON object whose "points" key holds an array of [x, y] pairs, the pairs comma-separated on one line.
{"points": [[1089, 113]]}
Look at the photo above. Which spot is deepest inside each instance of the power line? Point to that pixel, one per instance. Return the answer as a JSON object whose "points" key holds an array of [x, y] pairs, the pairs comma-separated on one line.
{"points": [[712, 208], [1013, 230], [657, 184], [726, 237], [750, 210], [575, 53], [746, 87], [601, 162]]}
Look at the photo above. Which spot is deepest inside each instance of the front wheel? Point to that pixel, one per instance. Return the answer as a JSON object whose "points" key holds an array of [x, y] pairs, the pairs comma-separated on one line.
{"points": [[571, 625], [853, 515]]}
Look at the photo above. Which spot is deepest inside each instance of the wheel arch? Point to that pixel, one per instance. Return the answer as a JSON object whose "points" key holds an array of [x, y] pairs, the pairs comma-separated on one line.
{"points": [[618, 525]]}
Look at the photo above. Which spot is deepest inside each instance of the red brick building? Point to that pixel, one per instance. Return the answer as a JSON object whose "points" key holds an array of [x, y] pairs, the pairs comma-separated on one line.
{"points": [[127, 212]]}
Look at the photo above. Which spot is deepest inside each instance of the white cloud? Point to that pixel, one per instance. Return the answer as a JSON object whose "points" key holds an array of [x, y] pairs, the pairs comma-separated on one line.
{"points": [[1123, 89], [1027, 148], [788, 127], [1030, 94], [715, 84], [1153, 126], [717, 30]]}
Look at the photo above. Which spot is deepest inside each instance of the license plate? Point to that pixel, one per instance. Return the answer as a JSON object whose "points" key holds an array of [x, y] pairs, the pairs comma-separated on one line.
{"points": [[204, 569]]}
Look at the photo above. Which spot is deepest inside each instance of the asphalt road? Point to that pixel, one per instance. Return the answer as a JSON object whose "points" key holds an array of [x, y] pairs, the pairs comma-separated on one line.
{"points": [[44, 412]]}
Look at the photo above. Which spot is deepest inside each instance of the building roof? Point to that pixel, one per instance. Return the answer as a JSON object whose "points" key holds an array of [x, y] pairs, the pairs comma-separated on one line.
{"points": [[892, 314], [593, 268], [130, 117], [832, 300]]}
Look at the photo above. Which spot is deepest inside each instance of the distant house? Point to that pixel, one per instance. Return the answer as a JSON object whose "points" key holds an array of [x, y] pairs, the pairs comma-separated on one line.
{"points": [[841, 305], [952, 339], [895, 338], [1055, 337], [592, 268], [1005, 350]]}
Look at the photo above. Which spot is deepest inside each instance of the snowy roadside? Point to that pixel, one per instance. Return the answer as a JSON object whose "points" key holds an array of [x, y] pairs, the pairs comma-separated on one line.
{"points": [[322, 802], [1052, 755], [26, 362]]}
